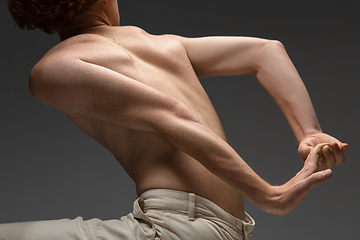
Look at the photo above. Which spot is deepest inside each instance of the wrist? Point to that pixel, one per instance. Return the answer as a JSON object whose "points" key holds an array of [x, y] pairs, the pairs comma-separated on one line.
{"points": [[270, 201], [276, 201], [308, 133]]}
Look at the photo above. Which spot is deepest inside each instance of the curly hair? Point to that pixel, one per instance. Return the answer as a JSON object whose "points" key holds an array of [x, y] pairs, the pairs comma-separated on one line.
{"points": [[46, 15]]}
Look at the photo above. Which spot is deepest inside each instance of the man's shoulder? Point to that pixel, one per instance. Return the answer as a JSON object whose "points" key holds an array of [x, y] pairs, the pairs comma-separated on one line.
{"points": [[73, 48], [87, 42], [75, 44], [95, 47]]}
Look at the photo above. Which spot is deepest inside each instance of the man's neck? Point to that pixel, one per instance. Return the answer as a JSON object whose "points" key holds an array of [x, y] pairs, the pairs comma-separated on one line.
{"points": [[84, 23], [71, 31]]}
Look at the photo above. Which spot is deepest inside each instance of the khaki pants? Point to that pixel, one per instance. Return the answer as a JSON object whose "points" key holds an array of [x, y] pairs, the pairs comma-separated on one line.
{"points": [[158, 214]]}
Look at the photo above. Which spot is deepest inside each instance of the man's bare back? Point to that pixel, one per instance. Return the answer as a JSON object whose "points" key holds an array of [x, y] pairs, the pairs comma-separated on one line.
{"points": [[160, 62]]}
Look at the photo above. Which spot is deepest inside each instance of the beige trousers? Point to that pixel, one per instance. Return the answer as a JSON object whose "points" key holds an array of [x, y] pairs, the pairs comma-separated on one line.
{"points": [[158, 214]]}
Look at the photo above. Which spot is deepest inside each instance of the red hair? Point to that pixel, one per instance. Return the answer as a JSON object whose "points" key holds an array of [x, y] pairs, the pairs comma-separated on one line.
{"points": [[46, 15]]}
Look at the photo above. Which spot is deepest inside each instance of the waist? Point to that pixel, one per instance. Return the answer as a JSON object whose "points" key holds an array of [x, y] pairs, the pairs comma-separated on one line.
{"points": [[192, 205]]}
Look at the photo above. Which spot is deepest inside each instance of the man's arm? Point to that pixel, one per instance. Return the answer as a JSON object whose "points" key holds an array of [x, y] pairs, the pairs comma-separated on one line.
{"points": [[269, 62], [78, 87]]}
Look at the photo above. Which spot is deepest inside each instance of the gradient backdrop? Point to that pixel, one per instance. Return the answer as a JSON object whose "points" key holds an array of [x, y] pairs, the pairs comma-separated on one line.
{"points": [[50, 169]]}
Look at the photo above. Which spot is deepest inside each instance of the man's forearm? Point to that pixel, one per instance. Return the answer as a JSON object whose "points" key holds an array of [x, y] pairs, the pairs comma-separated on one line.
{"points": [[278, 76], [198, 141]]}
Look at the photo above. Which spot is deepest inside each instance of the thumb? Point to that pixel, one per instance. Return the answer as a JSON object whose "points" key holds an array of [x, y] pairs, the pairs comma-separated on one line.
{"points": [[304, 150], [317, 178]]}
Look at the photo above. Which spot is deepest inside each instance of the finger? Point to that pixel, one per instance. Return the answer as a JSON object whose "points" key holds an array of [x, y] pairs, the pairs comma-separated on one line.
{"points": [[344, 147], [321, 165], [338, 153], [328, 157], [298, 190], [315, 154], [302, 187], [314, 162]]}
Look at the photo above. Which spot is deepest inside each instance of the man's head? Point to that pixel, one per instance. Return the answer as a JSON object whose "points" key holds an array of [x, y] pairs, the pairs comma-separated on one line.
{"points": [[47, 15]]}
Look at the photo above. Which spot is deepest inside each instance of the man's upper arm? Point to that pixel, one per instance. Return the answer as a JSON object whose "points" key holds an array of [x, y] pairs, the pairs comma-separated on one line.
{"points": [[76, 86], [223, 56]]}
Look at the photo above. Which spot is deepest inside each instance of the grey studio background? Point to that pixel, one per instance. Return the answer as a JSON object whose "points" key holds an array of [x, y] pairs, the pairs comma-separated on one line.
{"points": [[50, 169]]}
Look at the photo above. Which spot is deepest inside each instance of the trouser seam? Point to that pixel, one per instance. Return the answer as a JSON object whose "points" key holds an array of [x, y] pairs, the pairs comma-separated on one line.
{"points": [[93, 235]]}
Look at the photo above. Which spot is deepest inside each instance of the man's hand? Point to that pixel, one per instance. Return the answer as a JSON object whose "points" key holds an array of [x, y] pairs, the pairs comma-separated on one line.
{"points": [[290, 195], [332, 154]]}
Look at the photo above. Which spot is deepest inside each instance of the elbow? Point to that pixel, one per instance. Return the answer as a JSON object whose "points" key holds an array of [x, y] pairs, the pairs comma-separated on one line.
{"points": [[271, 45], [168, 120], [267, 50], [276, 44], [182, 111]]}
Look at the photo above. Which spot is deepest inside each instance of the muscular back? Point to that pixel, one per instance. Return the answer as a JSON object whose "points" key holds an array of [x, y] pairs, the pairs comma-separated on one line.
{"points": [[162, 63]]}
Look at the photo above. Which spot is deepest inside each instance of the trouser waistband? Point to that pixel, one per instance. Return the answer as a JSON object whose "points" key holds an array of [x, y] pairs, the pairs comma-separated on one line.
{"points": [[194, 206]]}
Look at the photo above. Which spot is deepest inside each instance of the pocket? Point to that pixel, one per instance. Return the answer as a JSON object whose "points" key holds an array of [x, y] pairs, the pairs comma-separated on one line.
{"points": [[145, 222]]}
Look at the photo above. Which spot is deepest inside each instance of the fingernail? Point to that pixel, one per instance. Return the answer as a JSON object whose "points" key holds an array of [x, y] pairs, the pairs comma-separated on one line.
{"points": [[327, 173]]}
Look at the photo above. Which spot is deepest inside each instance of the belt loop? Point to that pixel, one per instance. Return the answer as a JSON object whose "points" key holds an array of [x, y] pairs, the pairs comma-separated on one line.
{"points": [[191, 206]]}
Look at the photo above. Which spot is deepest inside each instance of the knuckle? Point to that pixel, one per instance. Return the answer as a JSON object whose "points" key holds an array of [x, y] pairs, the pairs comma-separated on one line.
{"points": [[340, 161], [335, 146], [326, 150]]}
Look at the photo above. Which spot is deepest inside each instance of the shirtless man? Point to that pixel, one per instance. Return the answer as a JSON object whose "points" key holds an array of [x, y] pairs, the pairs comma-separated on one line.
{"points": [[140, 97]]}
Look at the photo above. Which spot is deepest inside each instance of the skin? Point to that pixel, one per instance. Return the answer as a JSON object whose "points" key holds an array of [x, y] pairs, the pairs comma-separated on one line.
{"points": [[140, 97]]}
